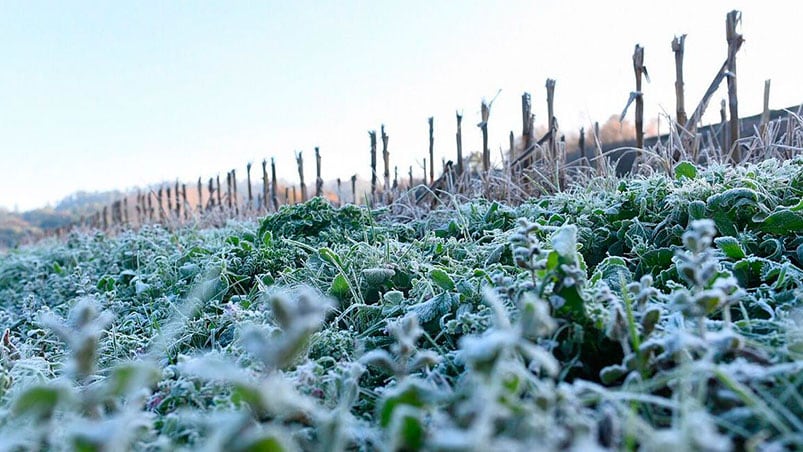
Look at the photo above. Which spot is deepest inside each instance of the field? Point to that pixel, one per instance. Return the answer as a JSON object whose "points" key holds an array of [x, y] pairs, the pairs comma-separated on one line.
{"points": [[649, 313]]}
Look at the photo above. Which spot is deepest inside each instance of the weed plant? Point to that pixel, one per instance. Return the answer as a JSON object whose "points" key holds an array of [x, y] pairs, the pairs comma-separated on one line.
{"points": [[654, 313]]}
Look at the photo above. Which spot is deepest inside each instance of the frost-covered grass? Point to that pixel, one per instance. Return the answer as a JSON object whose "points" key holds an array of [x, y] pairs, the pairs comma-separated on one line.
{"points": [[651, 313]]}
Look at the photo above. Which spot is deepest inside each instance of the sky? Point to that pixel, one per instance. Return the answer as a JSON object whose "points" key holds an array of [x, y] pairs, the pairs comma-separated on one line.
{"points": [[115, 95]]}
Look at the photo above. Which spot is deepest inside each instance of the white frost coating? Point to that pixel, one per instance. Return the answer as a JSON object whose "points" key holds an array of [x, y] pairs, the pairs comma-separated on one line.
{"points": [[565, 241]]}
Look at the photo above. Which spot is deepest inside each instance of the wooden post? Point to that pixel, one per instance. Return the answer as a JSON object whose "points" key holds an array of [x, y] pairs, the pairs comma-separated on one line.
{"points": [[424, 180], [411, 178], [639, 70], [273, 185], [599, 157], [765, 114], [184, 198], [169, 210], [228, 190], [550, 98], [248, 180], [150, 205], [512, 155], [431, 122], [105, 217], [178, 200], [161, 206], [734, 40], [201, 196], [235, 199], [137, 207], [395, 178], [527, 126], [219, 194], [318, 179], [125, 210], [459, 136], [300, 165], [723, 116], [264, 185], [582, 144], [211, 202], [678, 47], [287, 195], [386, 157], [372, 136], [354, 188], [339, 193], [485, 112]]}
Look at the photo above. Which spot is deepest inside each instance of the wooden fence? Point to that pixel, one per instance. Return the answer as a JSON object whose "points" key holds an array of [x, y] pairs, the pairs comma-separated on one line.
{"points": [[542, 162]]}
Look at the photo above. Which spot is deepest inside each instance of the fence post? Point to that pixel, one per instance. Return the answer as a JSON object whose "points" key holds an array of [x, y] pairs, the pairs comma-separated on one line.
{"points": [[161, 206], [485, 113], [273, 185], [723, 116], [318, 179], [219, 194], [459, 137], [735, 40], [186, 204], [527, 126], [339, 193], [211, 189], [600, 157], [678, 47], [550, 98], [581, 143], [150, 205], [125, 210], [372, 136], [354, 189], [411, 178], [639, 70], [236, 199], [169, 210], [200, 196], [512, 154], [765, 114], [386, 157], [137, 207], [177, 194], [248, 180], [431, 122], [228, 191]]}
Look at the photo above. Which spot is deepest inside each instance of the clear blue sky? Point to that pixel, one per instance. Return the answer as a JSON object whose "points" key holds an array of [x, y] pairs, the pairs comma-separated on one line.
{"points": [[104, 95]]}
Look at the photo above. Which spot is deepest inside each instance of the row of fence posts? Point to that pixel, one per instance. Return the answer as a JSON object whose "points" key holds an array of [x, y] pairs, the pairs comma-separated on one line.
{"points": [[163, 205]]}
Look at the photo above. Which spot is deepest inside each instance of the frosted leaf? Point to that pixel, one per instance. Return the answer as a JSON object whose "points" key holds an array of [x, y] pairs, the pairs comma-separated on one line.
{"points": [[565, 242]]}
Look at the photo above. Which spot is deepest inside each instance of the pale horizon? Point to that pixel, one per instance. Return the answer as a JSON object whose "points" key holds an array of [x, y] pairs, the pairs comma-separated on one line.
{"points": [[106, 96]]}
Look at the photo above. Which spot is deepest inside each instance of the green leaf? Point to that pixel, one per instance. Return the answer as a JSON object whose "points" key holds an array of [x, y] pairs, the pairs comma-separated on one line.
{"points": [[564, 242], [133, 376], [340, 286], [266, 442], [330, 257], [410, 392], [435, 307], [441, 279], [697, 210], [731, 247], [609, 270], [407, 429], [39, 401], [685, 169], [782, 222]]}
